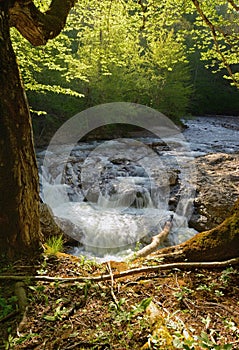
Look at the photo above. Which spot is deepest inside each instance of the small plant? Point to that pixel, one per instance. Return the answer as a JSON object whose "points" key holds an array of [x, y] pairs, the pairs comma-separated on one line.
{"points": [[40, 292], [88, 264], [54, 245], [198, 342], [11, 342], [205, 287], [60, 312], [7, 305], [184, 291], [126, 316], [218, 293], [226, 275], [43, 268]]}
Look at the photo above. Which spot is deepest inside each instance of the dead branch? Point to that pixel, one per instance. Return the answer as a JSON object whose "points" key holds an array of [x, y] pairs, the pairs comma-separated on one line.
{"points": [[156, 242], [112, 285], [7, 317], [136, 271]]}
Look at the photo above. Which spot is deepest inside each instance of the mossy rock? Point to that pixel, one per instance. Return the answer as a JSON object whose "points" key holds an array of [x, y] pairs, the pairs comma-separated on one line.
{"points": [[218, 244]]}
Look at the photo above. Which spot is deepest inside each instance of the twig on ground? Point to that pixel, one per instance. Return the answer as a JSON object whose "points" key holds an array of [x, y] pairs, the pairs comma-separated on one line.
{"points": [[221, 306], [112, 285], [7, 317], [88, 345], [136, 271]]}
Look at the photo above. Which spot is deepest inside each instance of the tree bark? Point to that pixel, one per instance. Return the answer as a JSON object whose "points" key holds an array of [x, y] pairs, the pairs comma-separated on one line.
{"points": [[38, 27], [19, 200]]}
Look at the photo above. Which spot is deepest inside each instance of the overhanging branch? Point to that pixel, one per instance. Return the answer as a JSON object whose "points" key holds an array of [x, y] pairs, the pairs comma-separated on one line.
{"points": [[38, 27], [214, 30], [235, 6]]}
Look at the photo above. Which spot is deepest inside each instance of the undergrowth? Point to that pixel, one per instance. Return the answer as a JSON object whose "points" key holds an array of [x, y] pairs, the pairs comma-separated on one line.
{"points": [[172, 309]]}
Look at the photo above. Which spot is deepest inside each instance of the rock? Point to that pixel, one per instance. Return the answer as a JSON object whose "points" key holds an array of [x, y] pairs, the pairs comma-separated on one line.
{"points": [[217, 189], [72, 231], [49, 226]]}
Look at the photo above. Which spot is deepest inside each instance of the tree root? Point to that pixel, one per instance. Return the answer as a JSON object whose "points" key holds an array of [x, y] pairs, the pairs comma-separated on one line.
{"points": [[20, 292], [136, 271]]}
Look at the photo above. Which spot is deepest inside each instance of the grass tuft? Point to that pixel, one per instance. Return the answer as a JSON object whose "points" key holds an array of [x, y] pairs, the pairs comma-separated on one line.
{"points": [[54, 245]]}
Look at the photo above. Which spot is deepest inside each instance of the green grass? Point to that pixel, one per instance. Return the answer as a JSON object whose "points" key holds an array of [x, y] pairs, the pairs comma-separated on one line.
{"points": [[54, 245]]}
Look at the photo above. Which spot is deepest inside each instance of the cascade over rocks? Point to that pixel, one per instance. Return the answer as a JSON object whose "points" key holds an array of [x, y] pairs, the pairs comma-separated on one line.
{"points": [[217, 190]]}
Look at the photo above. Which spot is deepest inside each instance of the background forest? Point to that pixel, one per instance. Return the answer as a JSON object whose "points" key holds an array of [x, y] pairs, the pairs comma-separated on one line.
{"points": [[159, 54]]}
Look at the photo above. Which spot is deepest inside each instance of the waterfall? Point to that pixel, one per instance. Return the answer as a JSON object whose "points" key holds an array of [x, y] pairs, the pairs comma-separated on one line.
{"points": [[128, 200], [127, 194]]}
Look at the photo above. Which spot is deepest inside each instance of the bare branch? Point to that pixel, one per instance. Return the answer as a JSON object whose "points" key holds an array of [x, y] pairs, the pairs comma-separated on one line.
{"points": [[235, 6], [112, 285], [214, 30], [38, 27]]}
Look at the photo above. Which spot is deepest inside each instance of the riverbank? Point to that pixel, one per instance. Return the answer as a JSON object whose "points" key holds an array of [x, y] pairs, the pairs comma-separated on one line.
{"points": [[170, 309]]}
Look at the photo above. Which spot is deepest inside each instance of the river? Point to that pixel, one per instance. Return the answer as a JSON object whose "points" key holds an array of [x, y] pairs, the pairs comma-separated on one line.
{"points": [[112, 196]]}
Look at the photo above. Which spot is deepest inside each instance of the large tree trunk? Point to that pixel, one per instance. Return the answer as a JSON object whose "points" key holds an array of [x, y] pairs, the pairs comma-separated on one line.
{"points": [[220, 243], [19, 201]]}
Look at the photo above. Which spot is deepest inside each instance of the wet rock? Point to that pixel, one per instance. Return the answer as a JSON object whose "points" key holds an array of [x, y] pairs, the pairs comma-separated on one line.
{"points": [[71, 231], [49, 225], [217, 189], [92, 193]]}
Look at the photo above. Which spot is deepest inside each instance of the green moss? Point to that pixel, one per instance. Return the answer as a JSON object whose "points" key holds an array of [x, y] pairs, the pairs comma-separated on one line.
{"points": [[220, 243]]}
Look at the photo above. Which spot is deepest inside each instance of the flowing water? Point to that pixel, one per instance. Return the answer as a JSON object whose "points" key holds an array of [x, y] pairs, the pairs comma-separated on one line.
{"points": [[112, 195]]}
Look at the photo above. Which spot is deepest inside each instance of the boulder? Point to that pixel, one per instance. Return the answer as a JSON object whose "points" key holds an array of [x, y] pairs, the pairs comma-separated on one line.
{"points": [[217, 189], [50, 227]]}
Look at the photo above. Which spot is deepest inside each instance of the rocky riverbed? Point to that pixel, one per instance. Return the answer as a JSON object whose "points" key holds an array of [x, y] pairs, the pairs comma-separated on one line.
{"points": [[116, 175], [217, 189], [215, 144]]}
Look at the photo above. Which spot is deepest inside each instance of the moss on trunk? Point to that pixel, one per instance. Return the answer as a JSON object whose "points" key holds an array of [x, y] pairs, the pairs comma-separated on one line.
{"points": [[220, 243]]}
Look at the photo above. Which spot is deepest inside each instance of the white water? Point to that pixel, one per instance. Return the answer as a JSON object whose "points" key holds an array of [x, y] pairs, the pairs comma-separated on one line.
{"points": [[123, 198], [125, 190], [111, 226]]}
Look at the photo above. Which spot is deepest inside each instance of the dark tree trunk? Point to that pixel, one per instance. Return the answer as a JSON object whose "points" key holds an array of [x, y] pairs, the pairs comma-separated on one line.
{"points": [[19, 201]]}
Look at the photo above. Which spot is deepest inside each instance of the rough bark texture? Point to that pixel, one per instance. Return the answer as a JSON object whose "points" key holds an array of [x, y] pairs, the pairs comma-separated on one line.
{"points": [[19, 201], [218, 244], [38, 27]]}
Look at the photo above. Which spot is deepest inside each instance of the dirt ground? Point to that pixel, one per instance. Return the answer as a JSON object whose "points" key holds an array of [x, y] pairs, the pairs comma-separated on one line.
{"points": [[171, 309]]}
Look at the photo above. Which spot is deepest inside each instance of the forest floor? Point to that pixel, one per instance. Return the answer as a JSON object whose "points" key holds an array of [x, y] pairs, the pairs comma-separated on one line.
{"points": [[170, 309]]}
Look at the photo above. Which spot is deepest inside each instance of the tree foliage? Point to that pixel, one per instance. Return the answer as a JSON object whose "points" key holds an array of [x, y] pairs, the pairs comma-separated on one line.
{"points": [[216, 35], [113, 51], [135, 51]]}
